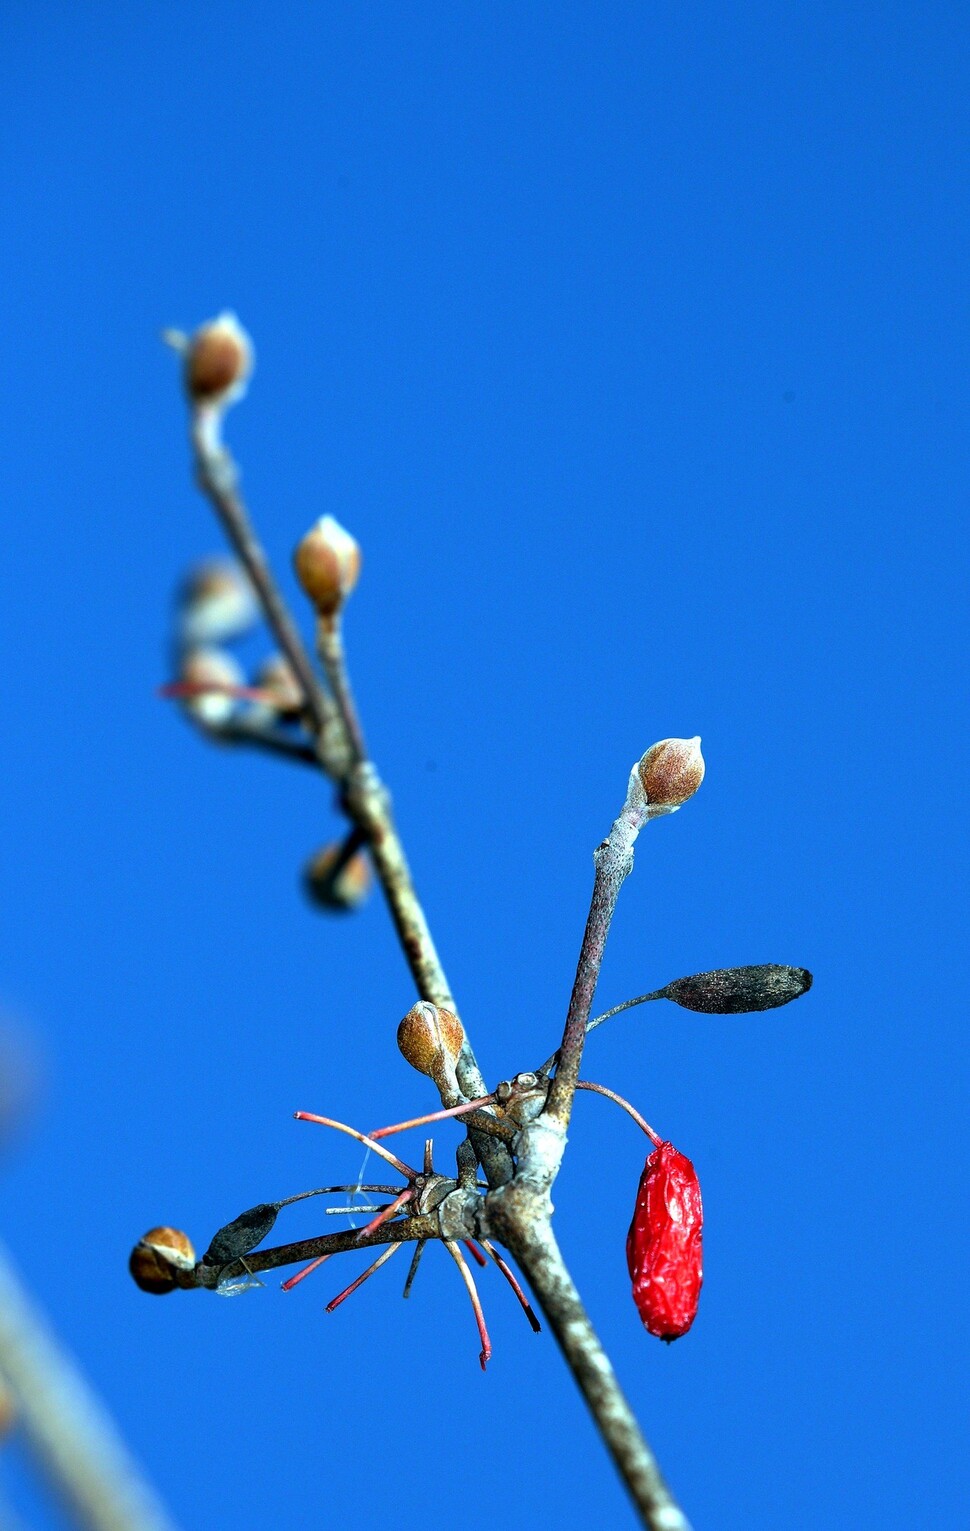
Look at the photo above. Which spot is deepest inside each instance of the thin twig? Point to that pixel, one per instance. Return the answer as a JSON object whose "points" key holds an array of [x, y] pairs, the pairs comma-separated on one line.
{"points": [[469, 1280], [364, 797], [619, 1100], [419, 1250], [288, 1285], [67, 1426], [218, 477], [330, 648], [348, 1291], [403, 1231], [514, 1283], [598, 1020], [533, 1243], [613, 861]]}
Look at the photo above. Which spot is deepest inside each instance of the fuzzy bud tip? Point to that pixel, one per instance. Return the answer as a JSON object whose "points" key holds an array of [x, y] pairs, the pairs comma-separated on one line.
{"points": [[430, 1038], [671, 772], [218, 362], [158, 1257], [327, 563]]}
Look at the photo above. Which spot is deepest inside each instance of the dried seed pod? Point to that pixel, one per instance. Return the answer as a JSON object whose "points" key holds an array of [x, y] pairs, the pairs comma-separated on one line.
{"points": [[663, 1247], [431, 1039], [327, 564], [216, 604], [157, 1258], [671, 772], [218, 361], [242, 1235], [339, 892], [733, 991]]}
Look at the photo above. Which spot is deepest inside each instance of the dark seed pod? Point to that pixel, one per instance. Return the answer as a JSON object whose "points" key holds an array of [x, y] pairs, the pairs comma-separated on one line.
{"points": [[731, 991], [239, 1237]]}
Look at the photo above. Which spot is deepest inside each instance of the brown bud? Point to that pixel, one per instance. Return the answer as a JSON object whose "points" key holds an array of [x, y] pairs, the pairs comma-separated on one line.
{"points": [[430, 1038], [341, 892], [158, 1257], [218, 361], [327, 564], [671, 772]]}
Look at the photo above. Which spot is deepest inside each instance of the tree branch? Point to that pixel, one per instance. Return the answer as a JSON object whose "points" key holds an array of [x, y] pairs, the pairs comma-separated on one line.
{"points": [[613, 861], [520, 1216], [67, 1425]]}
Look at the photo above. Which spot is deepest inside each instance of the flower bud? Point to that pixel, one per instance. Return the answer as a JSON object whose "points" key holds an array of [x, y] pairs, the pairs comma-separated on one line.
{"points": [[218, 362], [217, 604], [327, 564], [431, 1038], [339, 893], [158, 1257], [210, 667], [671, 772]]}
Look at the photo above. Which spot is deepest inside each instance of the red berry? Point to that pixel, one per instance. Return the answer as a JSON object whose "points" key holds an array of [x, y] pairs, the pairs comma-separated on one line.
{"points": [[663, 1247]]}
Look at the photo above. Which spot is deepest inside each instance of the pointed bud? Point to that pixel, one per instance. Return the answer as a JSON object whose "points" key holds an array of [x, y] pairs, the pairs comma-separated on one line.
{"points": [[158, 1257], [431, 1038], [327, 565], [671, 772], [218, 362], [341, 892], [208, 667], [216, 604], [734, 991]]}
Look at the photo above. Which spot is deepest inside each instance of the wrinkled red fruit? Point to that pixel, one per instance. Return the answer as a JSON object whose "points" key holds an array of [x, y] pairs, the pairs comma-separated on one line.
{"points": [[663, 1247]]}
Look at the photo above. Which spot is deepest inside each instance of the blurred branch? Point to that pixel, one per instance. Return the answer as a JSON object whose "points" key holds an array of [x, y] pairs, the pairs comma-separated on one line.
{"points": [[66, 1425]]}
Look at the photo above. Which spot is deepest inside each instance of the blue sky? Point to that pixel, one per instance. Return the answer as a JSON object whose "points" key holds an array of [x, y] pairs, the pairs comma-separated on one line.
{"points": [[630, 341]]}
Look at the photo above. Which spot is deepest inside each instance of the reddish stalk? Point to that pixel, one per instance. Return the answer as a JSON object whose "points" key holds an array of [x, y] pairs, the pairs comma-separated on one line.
{"points": [[292, 1281], [386, 1213], [475, 1252], [469, 1280], [600, 1089], [434, 1116], [328, 1121], [348, 1291], [513, 1282], [178, 690]]}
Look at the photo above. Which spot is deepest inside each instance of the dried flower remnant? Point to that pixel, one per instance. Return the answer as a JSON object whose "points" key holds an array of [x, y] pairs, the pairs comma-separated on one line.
{"points": [[664, 1245], [335, 882], [158, 1257], [736, 991], [327, 563], [671, 772]]}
